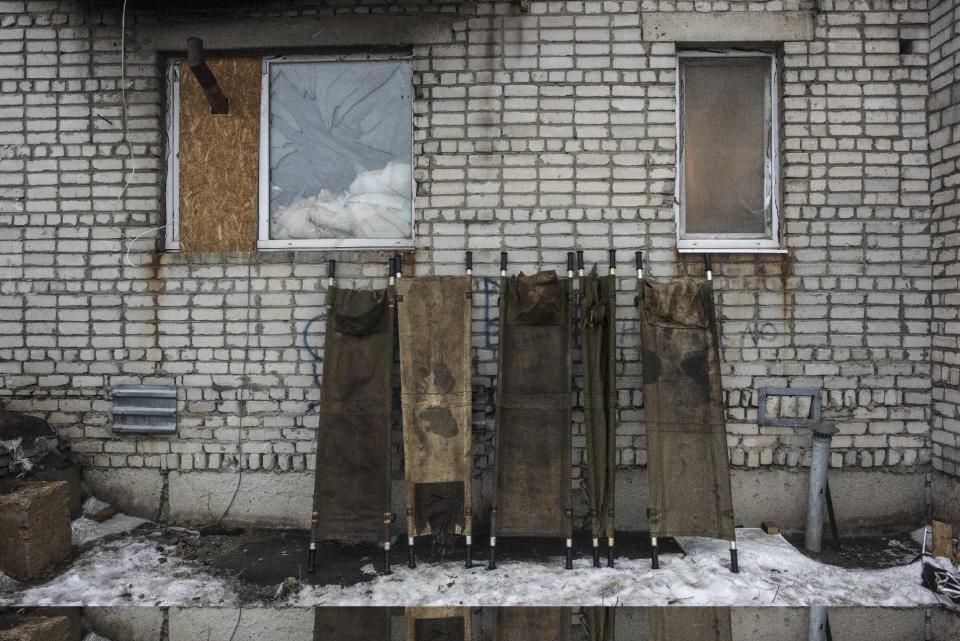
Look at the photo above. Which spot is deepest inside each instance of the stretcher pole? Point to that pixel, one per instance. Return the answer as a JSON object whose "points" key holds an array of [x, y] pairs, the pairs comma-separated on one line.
{"points": [[734, 558], [569, 512], [594, 515], [315, 516], [468, 509], [609, 515], [492, 562], [654, 543], [388, 517]]}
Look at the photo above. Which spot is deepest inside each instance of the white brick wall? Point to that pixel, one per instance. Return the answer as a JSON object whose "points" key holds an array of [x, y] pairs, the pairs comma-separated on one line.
{"points": [[535, 133], [945, 185]]}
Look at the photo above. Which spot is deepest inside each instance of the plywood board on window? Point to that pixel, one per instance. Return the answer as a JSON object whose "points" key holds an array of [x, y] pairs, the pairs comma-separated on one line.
{"points": [[219, 159]]}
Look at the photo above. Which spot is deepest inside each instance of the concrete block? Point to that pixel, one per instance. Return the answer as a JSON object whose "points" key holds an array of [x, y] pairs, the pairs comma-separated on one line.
{"points": [[340, 30], [878, 624], [864, 500], [126, 623], [39, 629], [137, 491], [782, 624], [740, 26], [231, 624], [34, 527], [262, 499]]}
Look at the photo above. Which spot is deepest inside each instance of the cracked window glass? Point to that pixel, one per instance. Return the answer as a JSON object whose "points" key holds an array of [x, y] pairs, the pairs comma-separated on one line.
{"points": [[340, 149], [725, 142]]}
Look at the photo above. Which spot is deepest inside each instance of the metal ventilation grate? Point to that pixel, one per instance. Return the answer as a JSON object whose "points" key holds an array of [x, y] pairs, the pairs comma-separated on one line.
{"points": [[148, 409]]}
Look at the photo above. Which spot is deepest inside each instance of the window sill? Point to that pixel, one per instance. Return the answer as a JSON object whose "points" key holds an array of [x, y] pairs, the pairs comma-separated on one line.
{"points": [[718, 246], [404, 244], [731, 250]]}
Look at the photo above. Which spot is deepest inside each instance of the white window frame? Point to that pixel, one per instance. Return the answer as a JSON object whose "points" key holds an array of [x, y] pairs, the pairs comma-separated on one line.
{"points": [[264, 242], [172, 231], [731, 243]]}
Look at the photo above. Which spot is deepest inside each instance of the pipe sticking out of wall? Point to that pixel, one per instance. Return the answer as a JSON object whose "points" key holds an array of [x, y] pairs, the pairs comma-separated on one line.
{"points": [[196, 60]]}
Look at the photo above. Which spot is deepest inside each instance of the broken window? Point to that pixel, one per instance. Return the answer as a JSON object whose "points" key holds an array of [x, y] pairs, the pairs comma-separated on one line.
{"points": [[313, 152], [336, 153], [727, 174]]}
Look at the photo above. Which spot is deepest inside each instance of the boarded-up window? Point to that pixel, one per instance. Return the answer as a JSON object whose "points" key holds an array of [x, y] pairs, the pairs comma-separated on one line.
{"points": [[218, 158], [314, 152], [727, 172], [336, 163]]}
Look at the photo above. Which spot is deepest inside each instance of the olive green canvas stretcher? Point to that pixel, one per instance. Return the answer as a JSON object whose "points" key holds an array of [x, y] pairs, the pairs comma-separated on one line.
{"points": [[687, 463], [434, 315], [532, 495], [352, 482]]}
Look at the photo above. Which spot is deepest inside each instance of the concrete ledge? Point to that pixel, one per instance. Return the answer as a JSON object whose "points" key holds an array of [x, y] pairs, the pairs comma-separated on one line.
{"points": [[292, 33], [137, 491], [126, 623], [730, 26], [262, 499], [865, 500], [230, 624]]}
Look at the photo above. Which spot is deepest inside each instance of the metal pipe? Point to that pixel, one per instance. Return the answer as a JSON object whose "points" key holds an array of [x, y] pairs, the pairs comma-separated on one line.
{"points": [[817, 625], [819, 464]]}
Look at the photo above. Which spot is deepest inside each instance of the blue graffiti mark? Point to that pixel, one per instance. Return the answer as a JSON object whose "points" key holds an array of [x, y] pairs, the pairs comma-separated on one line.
{"points": [[491, 326], [322, 316]]}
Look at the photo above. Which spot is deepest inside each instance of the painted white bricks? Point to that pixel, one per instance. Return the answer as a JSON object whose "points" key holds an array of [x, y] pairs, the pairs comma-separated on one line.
{"points": [[535, 134], [944, 116]]}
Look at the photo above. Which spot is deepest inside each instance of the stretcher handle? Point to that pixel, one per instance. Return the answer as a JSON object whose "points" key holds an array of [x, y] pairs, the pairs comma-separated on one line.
{"points": [[639, 259], [331, 271], [397, 265], [708, 265], [613, 261], [391, 270], [503, 263], [579, 262], [468, 260], [569, 264]]}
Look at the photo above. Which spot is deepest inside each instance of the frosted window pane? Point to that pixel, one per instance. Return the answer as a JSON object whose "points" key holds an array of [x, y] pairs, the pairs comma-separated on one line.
{"points": [[341, 150], [726, 127]]}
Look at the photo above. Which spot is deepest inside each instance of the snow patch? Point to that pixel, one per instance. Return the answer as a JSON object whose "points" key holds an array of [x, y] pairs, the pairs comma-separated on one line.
{"points": [[772, 572], [126, 572], [85, 530]]}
